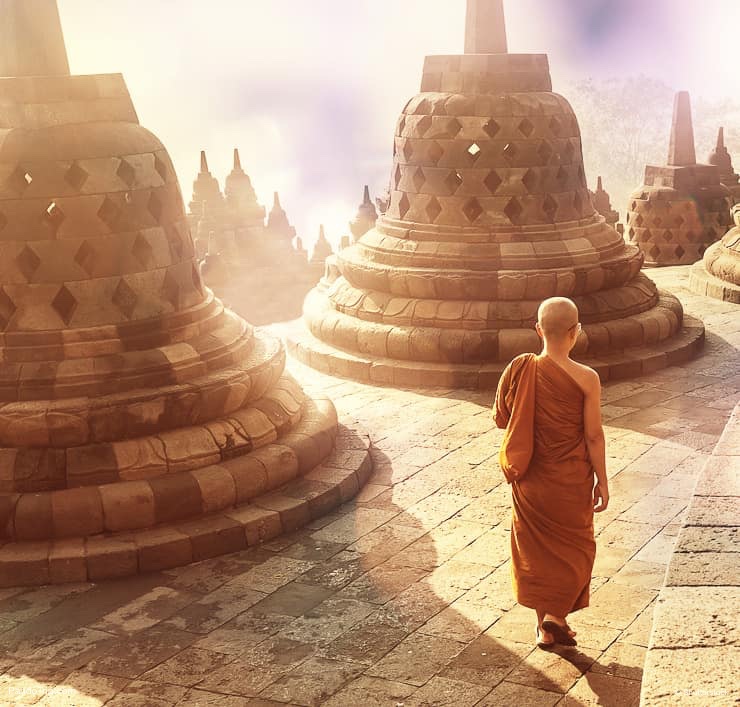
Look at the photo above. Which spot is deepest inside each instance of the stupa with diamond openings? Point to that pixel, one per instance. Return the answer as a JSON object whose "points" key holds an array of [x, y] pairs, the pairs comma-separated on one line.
{"points": [[720, 157], [489, 214], [142, 425], [682, 207]]}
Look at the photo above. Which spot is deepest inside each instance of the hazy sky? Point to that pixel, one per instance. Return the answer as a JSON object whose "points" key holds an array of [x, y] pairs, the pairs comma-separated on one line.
{"points": [[310, 89]]}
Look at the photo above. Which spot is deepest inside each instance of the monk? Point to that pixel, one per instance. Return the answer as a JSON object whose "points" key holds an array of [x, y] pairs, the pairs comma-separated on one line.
{"points": [[554, 456]]}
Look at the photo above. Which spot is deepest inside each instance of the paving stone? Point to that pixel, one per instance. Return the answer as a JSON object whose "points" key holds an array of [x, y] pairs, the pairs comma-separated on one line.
{"points": [[327, 621], [487, 660], [243, 632], [139, 693], [461, 621], [188, 667], [293, 599], [81, 689], [312, 682], [354, 525], [509, 693], [373, 692], [617, 605], [622, 660], [702, 569], [366, 643], [240, 678], [203, 698], [143, 651], [596, 688], [278, 653], [416, 659], [381, 583], [443, 692], [636, 573], [638, 632], [709, 539], [272, 574], [555, 670]]}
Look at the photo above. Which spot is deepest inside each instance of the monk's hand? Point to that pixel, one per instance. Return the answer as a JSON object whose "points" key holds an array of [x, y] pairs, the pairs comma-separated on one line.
{"points": [[601, 497]]}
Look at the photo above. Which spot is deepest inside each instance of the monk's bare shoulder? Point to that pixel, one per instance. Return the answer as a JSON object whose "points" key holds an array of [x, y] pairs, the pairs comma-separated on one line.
{"points": [[586, 377]]}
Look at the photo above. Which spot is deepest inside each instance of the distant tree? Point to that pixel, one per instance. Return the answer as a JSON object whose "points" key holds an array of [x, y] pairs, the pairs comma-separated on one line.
{"points": [[625, 124]]}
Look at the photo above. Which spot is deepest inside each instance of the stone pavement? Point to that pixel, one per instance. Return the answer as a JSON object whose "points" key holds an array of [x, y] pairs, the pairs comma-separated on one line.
{"points": [[401, 596]]}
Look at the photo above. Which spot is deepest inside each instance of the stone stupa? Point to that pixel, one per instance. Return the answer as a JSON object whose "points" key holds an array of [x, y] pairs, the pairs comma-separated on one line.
{"points": [[718, 273], [278, 225], [720, 157], [489, 214], [142, 425], [682, 208], [366, 217], [244, 211], [603, 204], [206, 190]]}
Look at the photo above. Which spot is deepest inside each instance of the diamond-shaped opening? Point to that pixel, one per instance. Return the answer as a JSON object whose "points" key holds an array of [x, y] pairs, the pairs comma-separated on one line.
{"points": [[397, 176], [155, 207], [401, 125], [85, 257], [513, 210], [7, 309], [632, 234], [433, 209], [492, 128], [175, 243], [19, 180], [526, 127], [578, 203], [125, 298], [639, 220], [76, 176], [423, 125], [555, 127], [569, 151], [474, 150], [545, 151], [108, 213], [28, 262], [654, 252], [435, 153], [562, 176], [647, 235], [454, 126], [550, 207], [668, 236], [678, 221], [419, 179], [161, 168], [492, 181], [657, 221], [64, 304], [171, 290], [404, 205], [54, 215], [454, 181], [510, 152], [530, 180], [472, 210], [142, 250], [408, 150], [126, 173], [680, 252], [423, 107], [648, 205]]}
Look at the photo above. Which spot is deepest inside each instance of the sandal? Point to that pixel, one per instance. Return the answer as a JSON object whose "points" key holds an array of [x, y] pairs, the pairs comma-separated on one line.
{"points": [[538, 639], [559, 632]]}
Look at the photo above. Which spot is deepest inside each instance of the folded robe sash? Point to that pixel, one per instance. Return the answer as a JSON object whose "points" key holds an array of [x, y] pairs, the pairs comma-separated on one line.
{"points": [[514, 410]]}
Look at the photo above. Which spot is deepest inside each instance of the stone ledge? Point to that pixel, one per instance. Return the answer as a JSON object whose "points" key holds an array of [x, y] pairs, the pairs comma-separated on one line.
{"points": [[705, 283], [109, 556], [693, 656]]}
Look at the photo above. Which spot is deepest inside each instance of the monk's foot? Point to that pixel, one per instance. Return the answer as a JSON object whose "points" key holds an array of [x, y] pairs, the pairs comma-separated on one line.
{"points": [[561, 632], [544, 639]]}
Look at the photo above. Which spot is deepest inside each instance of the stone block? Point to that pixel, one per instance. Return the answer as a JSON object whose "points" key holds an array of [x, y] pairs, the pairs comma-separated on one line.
{"points": [[67, 561], [77, 512], [110, 557], [213, 536], [128, 505]]}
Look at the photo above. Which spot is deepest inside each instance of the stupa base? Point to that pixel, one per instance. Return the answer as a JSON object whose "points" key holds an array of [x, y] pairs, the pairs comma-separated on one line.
{"points": [[704, 283], [631, 363], [302, 476]]}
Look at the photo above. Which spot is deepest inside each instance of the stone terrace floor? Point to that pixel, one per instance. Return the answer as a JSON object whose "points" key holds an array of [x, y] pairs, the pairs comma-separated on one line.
{"points": [[401, 597]]}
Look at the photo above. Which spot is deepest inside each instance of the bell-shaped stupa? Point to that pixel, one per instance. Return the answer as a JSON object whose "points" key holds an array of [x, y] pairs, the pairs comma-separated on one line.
{"points": [[603, 204], [206, 190], [682, 208], [142, 425], [489, 214], [241, 200], [278, 225], [718, 273], [720, 157], [322, 248], [366, 216]]}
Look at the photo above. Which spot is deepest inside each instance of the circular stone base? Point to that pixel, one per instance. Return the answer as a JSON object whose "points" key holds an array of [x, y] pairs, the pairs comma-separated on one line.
{"points": [[419, 374], [288, 507], [704, 283]]}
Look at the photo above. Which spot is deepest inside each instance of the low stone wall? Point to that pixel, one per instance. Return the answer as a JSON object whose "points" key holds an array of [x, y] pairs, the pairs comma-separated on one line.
{"points": [[694, 652]]}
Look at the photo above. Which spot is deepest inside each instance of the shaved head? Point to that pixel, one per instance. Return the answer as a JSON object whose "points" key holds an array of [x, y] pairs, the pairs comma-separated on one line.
{"points": [[557, 316]]}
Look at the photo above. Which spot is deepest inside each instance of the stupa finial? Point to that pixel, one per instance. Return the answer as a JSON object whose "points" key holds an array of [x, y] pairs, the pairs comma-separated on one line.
{"points": [[276, 201], [237, 159], [682, 151], [31, 39], [599, 184], [721, 140], [204, 162], [485, 27], [366, 195]]}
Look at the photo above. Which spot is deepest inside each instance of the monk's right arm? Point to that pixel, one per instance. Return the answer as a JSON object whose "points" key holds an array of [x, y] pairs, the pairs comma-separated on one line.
{"points": [[595, 439]]}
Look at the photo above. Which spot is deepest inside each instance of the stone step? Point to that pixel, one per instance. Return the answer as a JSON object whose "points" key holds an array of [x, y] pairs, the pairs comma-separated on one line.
{"points": [[409, 374], [284, 509]]}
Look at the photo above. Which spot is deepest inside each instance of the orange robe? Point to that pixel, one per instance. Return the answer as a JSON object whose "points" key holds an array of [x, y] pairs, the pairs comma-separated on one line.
{"points": [[552, 531]]}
